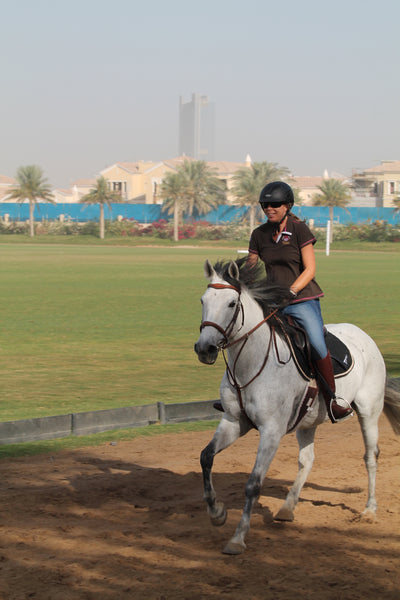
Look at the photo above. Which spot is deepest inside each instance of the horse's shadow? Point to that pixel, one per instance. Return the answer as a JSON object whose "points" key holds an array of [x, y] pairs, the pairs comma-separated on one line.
{"points": [[160, 490]]}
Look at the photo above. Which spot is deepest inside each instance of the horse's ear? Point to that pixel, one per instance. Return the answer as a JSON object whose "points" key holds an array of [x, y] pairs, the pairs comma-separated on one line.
{"points": [[233, 270], [208, 269]]}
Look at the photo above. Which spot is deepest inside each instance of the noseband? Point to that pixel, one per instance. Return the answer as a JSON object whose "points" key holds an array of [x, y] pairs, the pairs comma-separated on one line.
{"points": [[239, 307]]}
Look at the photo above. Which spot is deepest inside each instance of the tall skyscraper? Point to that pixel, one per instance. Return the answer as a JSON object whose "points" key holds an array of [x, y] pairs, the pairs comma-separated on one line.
{"points": [[197, 128]]}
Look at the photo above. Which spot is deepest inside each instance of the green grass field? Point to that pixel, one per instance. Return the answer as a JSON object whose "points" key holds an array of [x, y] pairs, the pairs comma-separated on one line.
{"points": [[88, 327]]}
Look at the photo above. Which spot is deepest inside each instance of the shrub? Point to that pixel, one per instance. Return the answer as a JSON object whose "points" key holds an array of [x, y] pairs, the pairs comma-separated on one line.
{"points": [[14, 227], [377, 231], [125, 227], [90, 228]]}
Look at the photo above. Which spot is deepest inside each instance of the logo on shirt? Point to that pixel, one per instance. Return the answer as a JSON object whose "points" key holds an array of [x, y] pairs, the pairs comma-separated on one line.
{"points": [[286, 235]]}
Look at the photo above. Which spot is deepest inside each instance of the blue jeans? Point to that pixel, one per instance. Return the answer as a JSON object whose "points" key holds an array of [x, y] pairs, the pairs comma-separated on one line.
{"points": [[308, 315]]}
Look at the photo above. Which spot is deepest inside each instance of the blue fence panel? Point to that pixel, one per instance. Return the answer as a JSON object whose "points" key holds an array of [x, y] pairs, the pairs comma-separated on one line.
{"points": [[148, 213], [143, 213], [224, 214]]}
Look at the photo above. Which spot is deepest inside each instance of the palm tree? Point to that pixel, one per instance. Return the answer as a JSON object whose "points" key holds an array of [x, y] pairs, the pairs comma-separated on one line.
{"points": [[171, 192], [32, 186], [333, 193], [193, 189], [101, 194], [248, 183], [203, 190]]}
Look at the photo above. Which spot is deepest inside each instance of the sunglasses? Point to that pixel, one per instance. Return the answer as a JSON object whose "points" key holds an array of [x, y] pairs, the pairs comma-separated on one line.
{"points": [[272, 204]]}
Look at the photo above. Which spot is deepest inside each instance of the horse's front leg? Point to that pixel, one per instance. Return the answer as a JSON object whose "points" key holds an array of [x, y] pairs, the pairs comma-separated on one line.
{"points": [[269, 442], [305, 438], [227, 432]]}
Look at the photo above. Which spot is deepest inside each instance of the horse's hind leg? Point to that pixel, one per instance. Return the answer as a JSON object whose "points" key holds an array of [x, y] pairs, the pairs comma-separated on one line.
{"points": [[227, 432], [305, 438], [369, 428]]}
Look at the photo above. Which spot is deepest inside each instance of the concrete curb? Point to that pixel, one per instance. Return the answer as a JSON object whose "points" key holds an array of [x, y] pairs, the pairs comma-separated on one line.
{"points": [[86, 423], [33, 430], [188, 411], [116, 418]]}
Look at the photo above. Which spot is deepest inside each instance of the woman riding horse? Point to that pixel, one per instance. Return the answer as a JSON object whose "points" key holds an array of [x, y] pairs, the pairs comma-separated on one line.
{"points": [[286, 246]]}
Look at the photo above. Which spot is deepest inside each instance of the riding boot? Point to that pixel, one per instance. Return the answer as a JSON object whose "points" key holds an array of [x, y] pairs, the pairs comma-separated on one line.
{"points": [[326, 378]]}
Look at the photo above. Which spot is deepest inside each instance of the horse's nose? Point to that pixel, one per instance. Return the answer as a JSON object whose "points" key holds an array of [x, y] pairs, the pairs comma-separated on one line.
{"points": [[207, 354], [205, 349]]}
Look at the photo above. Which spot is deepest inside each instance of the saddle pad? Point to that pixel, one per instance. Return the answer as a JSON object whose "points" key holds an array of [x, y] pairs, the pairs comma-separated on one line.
{"points": [[342, 360]]}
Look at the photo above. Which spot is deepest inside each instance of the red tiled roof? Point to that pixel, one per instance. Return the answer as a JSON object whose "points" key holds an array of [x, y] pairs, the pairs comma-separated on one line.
{"points": [[224, 167], [302, 182], [135, 167], [84, 182], [386, 166], [177, 162]]}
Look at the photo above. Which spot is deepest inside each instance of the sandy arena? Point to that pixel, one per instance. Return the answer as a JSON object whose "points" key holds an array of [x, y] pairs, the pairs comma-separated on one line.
{"points": [[128, 521]]}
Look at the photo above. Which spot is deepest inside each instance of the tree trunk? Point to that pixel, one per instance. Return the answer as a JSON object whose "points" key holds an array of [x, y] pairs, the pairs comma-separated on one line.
{"points": [[176, 221], [331, 220], [31, 218], [102, 221], [252, 217]]}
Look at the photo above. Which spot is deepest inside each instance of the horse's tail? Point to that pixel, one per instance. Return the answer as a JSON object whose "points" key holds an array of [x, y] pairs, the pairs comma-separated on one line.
{"points": [[391, 407]]}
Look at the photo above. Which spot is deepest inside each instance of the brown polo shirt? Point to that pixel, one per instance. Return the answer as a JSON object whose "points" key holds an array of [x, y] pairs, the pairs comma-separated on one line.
{"points": [[282, 258]]}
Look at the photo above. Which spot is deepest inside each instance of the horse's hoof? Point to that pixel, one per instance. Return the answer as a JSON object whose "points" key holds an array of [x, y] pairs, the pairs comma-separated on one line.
{"points": [[284, 514], [219, 521], [368, 515], [220, 515], [234, 548]]}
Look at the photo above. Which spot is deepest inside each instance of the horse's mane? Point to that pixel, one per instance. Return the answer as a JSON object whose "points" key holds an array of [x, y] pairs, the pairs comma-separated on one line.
{"points": [[268, 295]]}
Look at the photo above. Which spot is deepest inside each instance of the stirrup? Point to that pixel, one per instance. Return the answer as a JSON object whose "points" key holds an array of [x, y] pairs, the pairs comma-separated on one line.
{"points": [[347, 410]]}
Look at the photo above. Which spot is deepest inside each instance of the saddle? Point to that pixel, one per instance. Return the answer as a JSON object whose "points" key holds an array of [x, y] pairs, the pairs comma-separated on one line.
{"points": [[300, 349]]}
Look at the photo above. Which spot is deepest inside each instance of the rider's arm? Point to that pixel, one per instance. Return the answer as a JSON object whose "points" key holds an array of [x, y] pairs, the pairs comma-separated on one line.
{"points": [[308, 258], [251, 259]]}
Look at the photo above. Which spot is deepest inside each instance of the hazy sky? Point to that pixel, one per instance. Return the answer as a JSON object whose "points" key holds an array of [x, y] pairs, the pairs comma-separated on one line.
{"points": [[309, 84]]}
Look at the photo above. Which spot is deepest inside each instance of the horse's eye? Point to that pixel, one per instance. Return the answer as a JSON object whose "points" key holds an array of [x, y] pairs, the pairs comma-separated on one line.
{"points": [[201, 300], [232, 304]]}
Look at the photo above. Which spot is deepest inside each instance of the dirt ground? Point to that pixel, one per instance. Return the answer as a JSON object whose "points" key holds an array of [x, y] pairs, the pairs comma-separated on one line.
{"points": [[128, 521]]}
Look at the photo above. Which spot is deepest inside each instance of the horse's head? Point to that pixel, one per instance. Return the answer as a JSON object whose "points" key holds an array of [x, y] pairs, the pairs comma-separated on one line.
{"points": [[221, 307]]}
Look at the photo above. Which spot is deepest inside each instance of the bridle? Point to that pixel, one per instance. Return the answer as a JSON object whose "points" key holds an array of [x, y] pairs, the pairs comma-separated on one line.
{"points": [[239, 308], [244, 338]]}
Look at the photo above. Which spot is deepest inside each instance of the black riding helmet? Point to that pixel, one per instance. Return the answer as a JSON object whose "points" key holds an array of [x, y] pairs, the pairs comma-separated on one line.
{"points": [[277, 192]]}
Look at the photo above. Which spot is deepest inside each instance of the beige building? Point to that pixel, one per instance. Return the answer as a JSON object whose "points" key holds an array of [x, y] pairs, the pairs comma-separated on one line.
{"points": [[136, 182], [6, 183], [226, 171], [74, 194], [140, 182], [380, 185], [307, 187]]}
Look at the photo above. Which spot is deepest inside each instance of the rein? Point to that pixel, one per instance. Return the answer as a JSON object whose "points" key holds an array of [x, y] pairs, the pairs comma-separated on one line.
{"points": [[244, 338], [231, 372]]}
